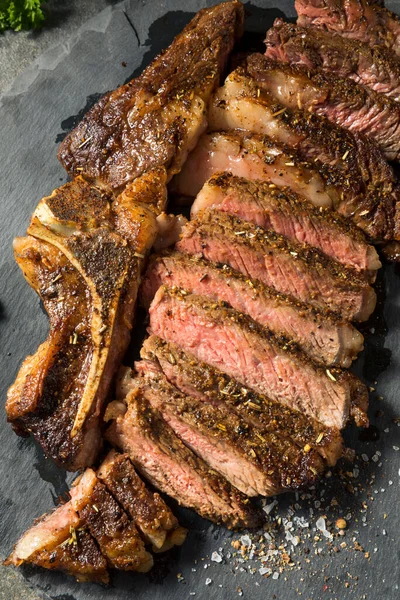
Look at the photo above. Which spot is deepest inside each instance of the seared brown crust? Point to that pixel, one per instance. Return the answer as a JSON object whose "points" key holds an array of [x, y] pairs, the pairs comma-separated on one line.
{"points": [[281, 462], [79, 557], [342, 101], [116, 535], [198, 378], [143, 427], [374, 67], [150, 121], [212, 224], [148, 510], [364, 20]]}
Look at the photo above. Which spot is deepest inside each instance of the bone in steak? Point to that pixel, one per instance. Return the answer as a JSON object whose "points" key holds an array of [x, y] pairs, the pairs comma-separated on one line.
{"points": [[258, 157], [269, 364], [277, 208], [210, 385], [342, 101], [87, 275], [156, 118], [163, 459], [363, 20], [374, 67], [289, 267], [321, 334], [217, 435], [147, 509]]}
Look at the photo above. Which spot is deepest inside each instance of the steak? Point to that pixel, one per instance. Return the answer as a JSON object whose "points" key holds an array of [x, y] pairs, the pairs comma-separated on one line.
{"points": [[363, 20], [57, 542], [289, 267], [147, 509], [115, 534], [374, 201], [342, 101], [219, 437], [322, 335], [285, 212], [374, 67], [83, 258], [269, 364], [210, 385], [258, 157], [162, 458], [156, 118]]}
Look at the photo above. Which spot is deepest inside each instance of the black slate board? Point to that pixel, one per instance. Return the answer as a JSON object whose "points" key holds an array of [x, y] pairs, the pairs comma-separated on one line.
{"points": [[42, 105]]}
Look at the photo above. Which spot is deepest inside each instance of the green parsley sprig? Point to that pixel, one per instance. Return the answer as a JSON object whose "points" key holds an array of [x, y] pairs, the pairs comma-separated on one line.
{"points": [[20, 14]]}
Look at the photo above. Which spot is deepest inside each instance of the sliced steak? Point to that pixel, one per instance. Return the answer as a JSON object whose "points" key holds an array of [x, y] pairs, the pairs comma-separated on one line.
{"points": [[289, 267], [363, 20], [375, 193], [322, 335], [290, 214], [258, 157], [147, 509], [233, 342], [210, 385], [342, 101], [255, 462], [172, 467], [375, 67], [156, 118], [115, 533], [58, 542]]}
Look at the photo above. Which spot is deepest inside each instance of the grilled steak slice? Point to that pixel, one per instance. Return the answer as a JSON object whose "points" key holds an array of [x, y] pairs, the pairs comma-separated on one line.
{"points": [[231, 447], [322, 335], [117, 536], [285, 212], [198, 379], [156, 118], [87, 274], [57, 541], [375, 67], [362, 20], [162, 458], [342, 101], [269, 364], [147, 509], [289, 267], [258, 157], [375, 194]]}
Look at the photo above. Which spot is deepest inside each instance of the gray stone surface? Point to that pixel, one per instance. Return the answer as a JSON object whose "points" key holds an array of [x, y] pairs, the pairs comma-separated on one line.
{"points": [[19, 49]]}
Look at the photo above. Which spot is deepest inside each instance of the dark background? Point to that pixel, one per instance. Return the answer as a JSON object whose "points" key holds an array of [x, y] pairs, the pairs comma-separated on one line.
{"points": [[65, 67]]}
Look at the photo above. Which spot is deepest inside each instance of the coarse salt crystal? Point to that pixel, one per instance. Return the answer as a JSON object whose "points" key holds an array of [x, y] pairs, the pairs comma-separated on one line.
{"points": [[215, 557], [275, 575], [269, 507], [365, 457], [264, 570], [208, 581], [245, 540], [321, 525]]}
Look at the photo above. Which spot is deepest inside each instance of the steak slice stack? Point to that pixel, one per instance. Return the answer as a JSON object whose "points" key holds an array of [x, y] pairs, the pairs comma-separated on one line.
{"points": [[374, 67], [363, 20], [289, 267], [210, 385], [342, 101], [269, 364], [95, 531], [255, 462], [321, 334], [162, 458], [289, 214]]}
